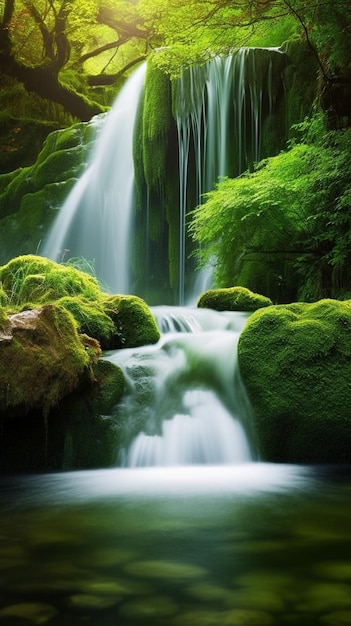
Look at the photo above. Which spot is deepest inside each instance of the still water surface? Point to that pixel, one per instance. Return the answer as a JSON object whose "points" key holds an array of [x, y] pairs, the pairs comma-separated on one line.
{"points": [[247, 545]]}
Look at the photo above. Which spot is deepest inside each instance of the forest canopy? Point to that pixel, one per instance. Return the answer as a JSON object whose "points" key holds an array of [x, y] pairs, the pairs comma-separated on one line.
{"points": [[66, 50]]}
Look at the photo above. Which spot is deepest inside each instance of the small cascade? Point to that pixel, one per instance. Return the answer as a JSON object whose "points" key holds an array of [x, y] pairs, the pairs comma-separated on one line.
{"points": [[220, 110], [185, 404], [94, 221]]}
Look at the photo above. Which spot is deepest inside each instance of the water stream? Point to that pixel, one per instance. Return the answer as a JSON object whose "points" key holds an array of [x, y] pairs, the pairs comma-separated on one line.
{"points": [[185, 402], [94, 221], [191, 531], [220, 109]]}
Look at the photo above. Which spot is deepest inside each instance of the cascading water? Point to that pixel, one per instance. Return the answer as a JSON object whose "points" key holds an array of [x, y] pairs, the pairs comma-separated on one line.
{"points": [[185, 404], [94, 221], [219, 110]]}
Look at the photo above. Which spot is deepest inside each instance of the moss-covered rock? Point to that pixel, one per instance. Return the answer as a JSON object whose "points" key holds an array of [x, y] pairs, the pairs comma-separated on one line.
{"points": [[232, 299], [134, 320], [42, 359], [92, 320], [295, 361], [30, 278], [92, 434], [30, 196], [116, 321]]}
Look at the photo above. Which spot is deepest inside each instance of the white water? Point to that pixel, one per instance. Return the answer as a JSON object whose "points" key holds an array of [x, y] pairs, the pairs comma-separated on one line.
{"points": [[219, 113], [94, 222], [185, 404]]}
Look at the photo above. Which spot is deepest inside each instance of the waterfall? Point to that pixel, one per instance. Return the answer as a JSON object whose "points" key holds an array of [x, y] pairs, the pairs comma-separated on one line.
{"points": [[94, 221], [219, 112], [185, 404]]}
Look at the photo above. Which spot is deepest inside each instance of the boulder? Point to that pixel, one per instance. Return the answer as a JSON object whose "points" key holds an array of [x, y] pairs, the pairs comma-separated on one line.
{"points": [[232, 299], [295, 362]]}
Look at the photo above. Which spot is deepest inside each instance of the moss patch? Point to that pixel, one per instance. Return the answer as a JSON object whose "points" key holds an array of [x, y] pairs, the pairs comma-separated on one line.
{"points": [[30, 196], [31, 278], [295, 361], [232, 299], [41, 358], [134, 320]]}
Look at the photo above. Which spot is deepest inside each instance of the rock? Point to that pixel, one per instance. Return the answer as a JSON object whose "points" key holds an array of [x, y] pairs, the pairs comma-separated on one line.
{"points": [[42, 359], [232, 299], [295, 364]]}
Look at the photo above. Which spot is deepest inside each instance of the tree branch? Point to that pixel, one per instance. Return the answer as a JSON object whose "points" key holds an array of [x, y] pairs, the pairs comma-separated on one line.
{"points": [[111, 79]]}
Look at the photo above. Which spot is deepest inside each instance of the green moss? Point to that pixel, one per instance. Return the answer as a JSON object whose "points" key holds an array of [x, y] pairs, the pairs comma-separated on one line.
{"points": [[232, 299], [41, 359], [92, 435], [92, 320], [157, 115], [134, 320], [295, 361], [21, 140], [31, 278], [30, 195], [3, 316], [109, 389], [13, 187], [115, 321]]}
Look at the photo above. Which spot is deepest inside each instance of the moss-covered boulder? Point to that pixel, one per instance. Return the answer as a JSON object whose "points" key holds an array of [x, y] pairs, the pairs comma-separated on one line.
{"points": [[29, 278], [90, 415], [42, 358], [295, 361], [232, 299], [115, 321], [54, 320], [134, 320]]}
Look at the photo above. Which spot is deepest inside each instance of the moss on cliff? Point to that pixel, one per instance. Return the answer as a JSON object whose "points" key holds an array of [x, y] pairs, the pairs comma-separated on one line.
{"points": [[295, 361], [30, 196], [157, 115], [301, 80], [232, 299]]}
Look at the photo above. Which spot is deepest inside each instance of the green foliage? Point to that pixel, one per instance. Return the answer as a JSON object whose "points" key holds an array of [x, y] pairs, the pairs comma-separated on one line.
{"points": [[232, 299], [293, 212], [329, 30], [295, 364]]}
